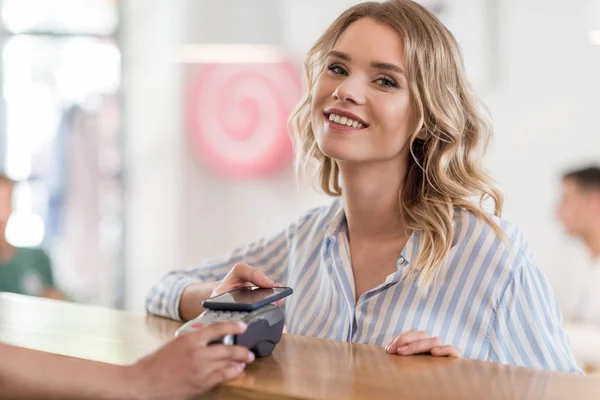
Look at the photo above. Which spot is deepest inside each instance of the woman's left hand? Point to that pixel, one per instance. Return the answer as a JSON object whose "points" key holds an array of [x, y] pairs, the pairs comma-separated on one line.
{"points": [[419, 342]]}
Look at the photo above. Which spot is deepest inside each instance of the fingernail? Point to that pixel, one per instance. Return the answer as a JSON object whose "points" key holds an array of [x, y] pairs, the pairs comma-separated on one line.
{"points": [[241, 366], [387, 348], [242, 325], [251, 357], [267, 281]]}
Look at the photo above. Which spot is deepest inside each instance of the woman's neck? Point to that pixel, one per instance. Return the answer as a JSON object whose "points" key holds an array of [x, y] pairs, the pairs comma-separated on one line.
{"points": [[371, 195]]}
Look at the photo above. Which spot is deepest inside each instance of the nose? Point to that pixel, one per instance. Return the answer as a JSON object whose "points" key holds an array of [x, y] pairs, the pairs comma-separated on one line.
{"points": [[350, 91]]}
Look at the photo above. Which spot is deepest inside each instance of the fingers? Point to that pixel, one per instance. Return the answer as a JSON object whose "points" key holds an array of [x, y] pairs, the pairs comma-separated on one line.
{"points": [[218, 330], [417, 342], [241, 275], [404, 339], [230, 353], [279, 303], [225, 372], [420, 346], [227, 286], [446, 351], [246, 273]]}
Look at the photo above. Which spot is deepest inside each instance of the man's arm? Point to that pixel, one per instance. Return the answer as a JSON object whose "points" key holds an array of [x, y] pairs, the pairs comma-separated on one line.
{"points": [[184, 368], [31, 374]]}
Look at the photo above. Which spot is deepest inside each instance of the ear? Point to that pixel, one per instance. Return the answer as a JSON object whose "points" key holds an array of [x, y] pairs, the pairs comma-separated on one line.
{"points": [[422, 134]]}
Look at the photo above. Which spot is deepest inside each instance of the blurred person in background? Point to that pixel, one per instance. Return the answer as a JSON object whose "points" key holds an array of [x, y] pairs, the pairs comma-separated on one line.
{"points": [[579, 213], [404, 257], [22, 270]]}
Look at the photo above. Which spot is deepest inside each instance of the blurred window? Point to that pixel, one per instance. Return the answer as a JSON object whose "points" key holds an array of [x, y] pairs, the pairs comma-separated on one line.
{"points": [[60, 138]]}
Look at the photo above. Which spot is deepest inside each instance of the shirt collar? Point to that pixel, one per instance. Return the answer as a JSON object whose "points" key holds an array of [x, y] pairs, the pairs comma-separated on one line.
{"points": [[337, 224]]}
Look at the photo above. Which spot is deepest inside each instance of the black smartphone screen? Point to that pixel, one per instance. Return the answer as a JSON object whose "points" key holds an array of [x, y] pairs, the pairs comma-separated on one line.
{"points": [[247, 298]]}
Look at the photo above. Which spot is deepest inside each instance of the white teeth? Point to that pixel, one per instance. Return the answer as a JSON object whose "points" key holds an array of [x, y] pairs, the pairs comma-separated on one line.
{"points": [[338, 119]]}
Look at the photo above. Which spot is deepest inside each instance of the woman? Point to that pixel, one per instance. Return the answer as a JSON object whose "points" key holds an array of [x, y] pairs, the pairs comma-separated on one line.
{"points": [[404, 258]]}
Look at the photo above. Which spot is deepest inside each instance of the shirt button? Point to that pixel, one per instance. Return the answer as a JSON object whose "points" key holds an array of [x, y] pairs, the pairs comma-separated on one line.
{"points": [[401, 260]]}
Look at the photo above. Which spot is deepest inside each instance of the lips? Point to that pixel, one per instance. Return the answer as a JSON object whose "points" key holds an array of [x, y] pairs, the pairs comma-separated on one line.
{"points": [[344, 119]]}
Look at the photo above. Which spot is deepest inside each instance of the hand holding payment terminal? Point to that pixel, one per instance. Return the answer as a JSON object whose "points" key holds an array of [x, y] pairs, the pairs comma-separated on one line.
{"points": [[252, 306]]}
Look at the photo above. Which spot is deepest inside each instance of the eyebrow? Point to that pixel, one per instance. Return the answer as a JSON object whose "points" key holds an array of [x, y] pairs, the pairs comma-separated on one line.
{"points": [[374, 64]]}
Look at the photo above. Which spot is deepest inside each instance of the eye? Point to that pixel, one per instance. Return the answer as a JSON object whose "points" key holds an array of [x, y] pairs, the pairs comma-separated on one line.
{"points": [[387, 82], [337, 69]]}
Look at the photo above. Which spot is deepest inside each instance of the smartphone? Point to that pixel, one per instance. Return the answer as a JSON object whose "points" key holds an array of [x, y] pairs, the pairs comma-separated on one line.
{"points": [[246, 298]]}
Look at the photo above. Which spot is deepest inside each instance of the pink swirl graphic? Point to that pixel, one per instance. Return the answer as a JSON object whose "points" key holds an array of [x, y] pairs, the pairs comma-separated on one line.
{"points": [[237, 116]]}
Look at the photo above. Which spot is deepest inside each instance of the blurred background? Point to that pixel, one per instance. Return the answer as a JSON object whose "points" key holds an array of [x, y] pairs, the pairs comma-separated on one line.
{"points": [[146, 135]]}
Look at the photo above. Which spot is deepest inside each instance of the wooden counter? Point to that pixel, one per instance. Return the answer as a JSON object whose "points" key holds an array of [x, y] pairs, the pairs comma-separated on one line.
{"points": [[300, 367]]}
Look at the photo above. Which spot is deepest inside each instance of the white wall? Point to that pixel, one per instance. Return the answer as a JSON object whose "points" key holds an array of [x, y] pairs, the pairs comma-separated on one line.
{"points": [[222, 213], [544, 108], [153, 144]]}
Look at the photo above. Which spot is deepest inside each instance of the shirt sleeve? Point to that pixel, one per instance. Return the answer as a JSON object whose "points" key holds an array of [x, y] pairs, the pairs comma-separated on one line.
{"points": [[270, 255], [528, 327]]}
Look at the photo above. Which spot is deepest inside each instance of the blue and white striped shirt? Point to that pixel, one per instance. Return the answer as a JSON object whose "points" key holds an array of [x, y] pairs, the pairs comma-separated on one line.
{"points": [[492, 301]]}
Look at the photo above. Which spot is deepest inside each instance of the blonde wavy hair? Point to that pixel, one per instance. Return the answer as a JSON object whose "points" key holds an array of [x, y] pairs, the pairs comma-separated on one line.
{"points": [[444, 168]]}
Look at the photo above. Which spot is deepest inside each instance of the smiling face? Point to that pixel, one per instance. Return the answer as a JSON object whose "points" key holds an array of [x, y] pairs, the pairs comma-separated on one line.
{"points": [[361, 109]]}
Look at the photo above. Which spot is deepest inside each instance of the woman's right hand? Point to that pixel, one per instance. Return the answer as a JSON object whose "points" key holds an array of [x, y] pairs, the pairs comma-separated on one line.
{"points": [[190, 304], [242, 275]]}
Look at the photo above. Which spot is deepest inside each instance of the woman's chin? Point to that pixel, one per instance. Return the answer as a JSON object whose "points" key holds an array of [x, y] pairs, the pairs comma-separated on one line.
{"points": [[345, 155]]}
